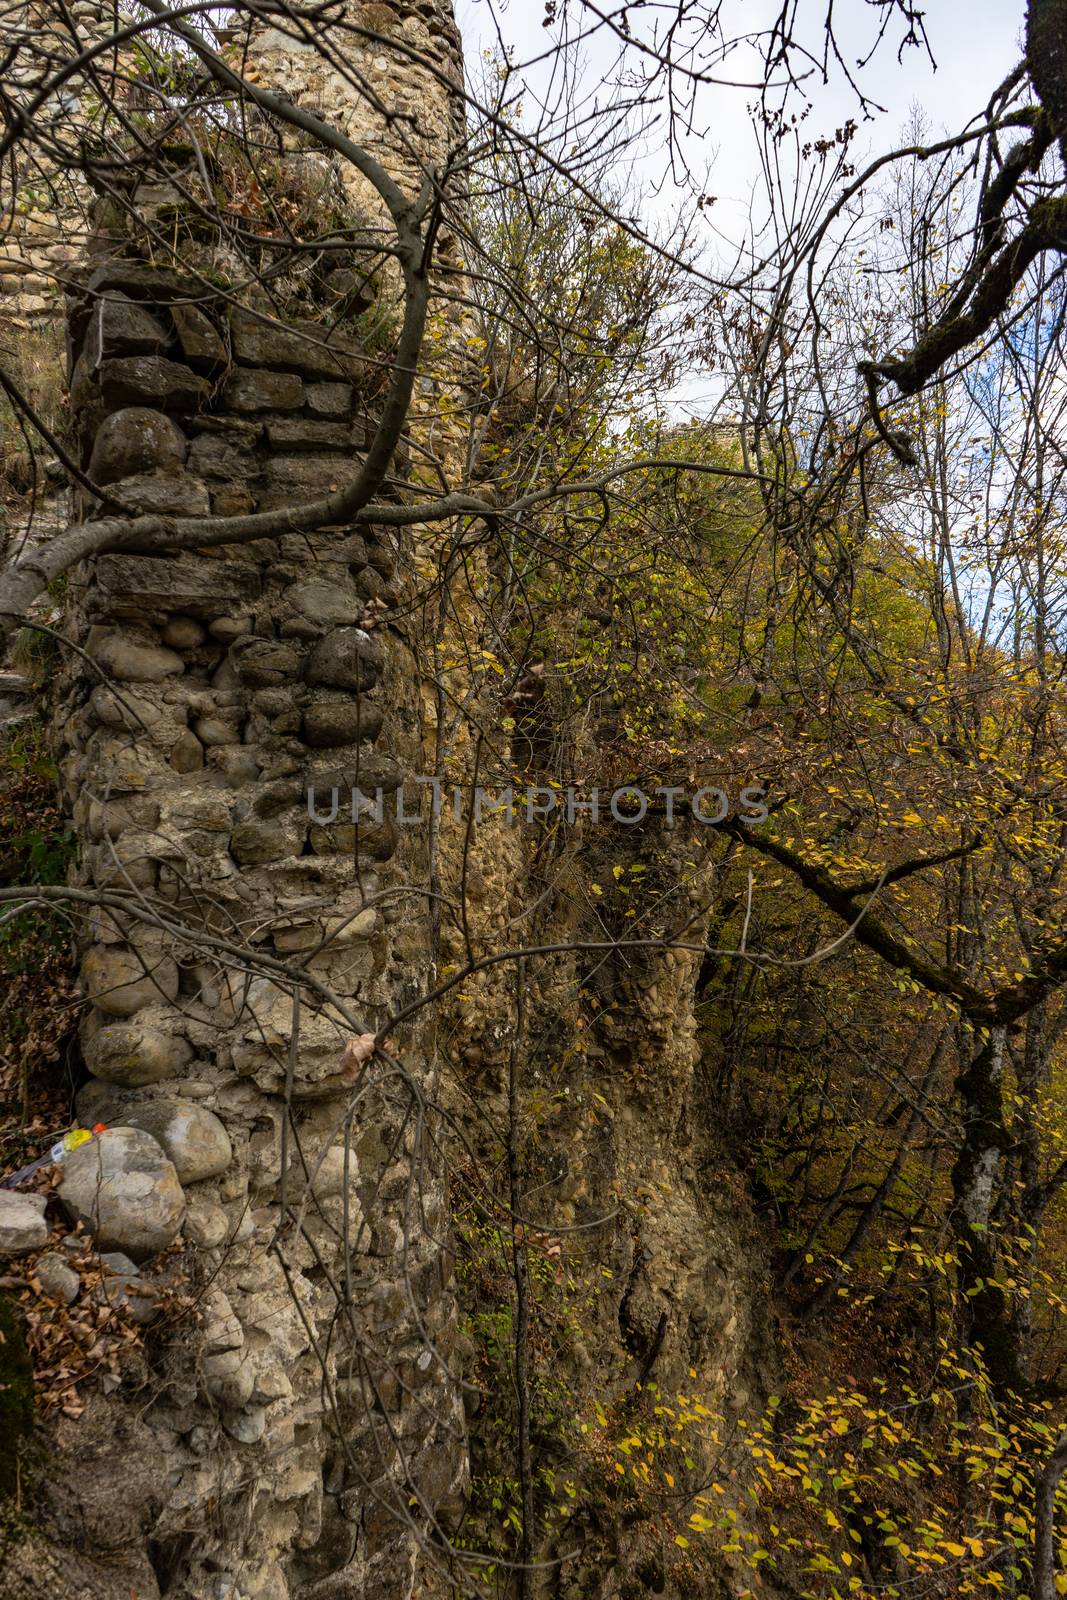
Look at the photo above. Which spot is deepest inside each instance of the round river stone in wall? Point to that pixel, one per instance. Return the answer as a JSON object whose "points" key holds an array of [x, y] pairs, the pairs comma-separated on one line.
{"points": [[120, 981], [332, 722], [133, 1053], [193, 1137], [135, 440], [347, 658], [126, 1191]]}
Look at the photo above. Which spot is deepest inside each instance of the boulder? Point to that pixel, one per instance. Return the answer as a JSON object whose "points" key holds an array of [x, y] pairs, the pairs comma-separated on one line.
{"points": [[22, 1224], [295, 480], [264, 663], [132, 1054], [134, 440], [138, 278], [125, 1190], [212, 731], [229, 1377], [187, 753], [123, 1285], [365, 771], [247, 1426], [206, 1224], [372, 841], [347, 658], [120, 980], [256, 840], [192, 1136]]}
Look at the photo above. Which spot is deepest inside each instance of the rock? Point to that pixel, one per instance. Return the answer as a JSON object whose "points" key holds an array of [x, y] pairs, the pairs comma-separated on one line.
{"points": [[202, 344], [383, 557], [352, 549], [123, 1285], [255, 841], [301, 433], [212, 731], [125, 1190], [187, 753], [329, 400], [149, 283], [328, 1174], [347, 658], [120, 327], [115, 1261], [150, 381], [309, 348], [230, 628], [133, 662], [332, 722], [120, 980], [228, 1377], [294, 480], [96, 1102], [22, 1224], [365, 770], [183, 633], [132, 1054], [136, 440], [195, 586], [86, 404], [123, 709], [245, 390], [205, 1223], [372, 842], [264, 663], [247, 1426], [221, 1328], [164, 494], [193, 1137], [230, 500], [326, 603], [223, 456], [57, 1278]]}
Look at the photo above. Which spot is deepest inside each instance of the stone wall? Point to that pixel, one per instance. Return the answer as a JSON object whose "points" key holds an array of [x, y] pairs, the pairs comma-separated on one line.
{"points": [[217, 688], [43, 199], [301, 1431]]}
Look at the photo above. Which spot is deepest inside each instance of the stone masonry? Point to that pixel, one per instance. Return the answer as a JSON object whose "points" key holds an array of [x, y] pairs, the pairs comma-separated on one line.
{"points": [[303, 1433]]}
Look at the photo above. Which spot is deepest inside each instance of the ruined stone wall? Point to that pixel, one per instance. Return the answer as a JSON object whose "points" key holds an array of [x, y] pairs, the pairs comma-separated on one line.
{"points": [[44, 203], [223, 685], [300, 1432]]}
